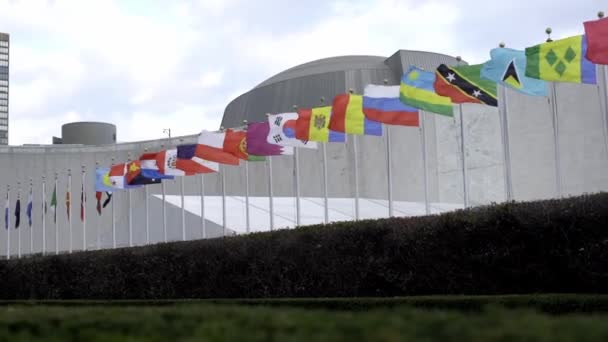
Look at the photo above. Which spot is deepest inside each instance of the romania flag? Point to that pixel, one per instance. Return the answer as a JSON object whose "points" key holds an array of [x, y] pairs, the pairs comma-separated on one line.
{"points": [[417, 90], [561, 61], [348, 117], [313, 125]]}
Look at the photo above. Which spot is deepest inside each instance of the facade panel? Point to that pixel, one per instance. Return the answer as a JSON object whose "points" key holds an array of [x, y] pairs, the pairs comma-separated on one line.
{"points": [[4, 87]]}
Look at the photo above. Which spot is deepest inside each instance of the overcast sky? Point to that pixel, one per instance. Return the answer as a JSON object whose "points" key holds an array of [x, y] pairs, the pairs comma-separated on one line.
{"points": [[146, 65]]}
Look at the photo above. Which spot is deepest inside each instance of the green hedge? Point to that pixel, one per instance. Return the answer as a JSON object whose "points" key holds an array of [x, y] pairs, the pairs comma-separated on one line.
{"points": [[555, 246]]}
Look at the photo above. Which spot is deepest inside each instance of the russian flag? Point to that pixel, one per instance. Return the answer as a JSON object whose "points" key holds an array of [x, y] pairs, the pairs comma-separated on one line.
{"points": [[347, 116], [381, 103]]}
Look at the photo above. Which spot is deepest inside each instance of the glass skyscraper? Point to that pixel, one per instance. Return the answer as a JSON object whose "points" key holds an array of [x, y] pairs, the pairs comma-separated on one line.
{"points": [[4, 46]]}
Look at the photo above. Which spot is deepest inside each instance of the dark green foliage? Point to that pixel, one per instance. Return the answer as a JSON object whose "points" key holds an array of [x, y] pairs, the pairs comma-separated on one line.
{"points": [[243, 323], [556, 246]]}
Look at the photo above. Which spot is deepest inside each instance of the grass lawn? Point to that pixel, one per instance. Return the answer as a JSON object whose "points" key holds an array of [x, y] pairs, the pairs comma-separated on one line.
{"points": [[278, 321]]}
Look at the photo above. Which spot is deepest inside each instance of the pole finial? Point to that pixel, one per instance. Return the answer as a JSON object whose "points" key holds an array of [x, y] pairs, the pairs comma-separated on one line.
{"points": [[322, 99], [458, 58], [385, 81], [502, 44], [548, 32], [600, 14], [245, 121], [350, 90]]}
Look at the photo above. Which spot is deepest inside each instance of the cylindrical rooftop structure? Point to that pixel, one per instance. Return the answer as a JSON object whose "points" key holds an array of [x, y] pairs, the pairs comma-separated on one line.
{"points": [[88, 133]]}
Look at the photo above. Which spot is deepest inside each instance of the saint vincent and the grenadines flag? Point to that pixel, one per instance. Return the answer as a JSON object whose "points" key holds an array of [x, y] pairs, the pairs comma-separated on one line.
{"points": [[382, 104], [596, 33], [313, 125], [347, 116], [508, 68], [417, 91], [561, 60], [463, 84]]}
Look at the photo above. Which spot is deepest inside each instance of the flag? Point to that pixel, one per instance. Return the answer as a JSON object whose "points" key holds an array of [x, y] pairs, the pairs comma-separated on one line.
{"points": [[313, 124], [82, 203], [181, 161], [108, 199], [347, 116], [417, 90], [282, 131], [596, 35], [138, 174], [6, 210], [102, 179], [54, 204], [508, 68], [463, 84], [561, 60], [17, 213], [28, 209], [235, 143], [257, 141], [98, 198], [211, 146], [116, 178], [381, 103], [67, 203]]}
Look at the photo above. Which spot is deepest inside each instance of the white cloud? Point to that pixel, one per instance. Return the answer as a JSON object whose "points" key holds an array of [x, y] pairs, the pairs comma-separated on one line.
{"points": [[211, 79]]}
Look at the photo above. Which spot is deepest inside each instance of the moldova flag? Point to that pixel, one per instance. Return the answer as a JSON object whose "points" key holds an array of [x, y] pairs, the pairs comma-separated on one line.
{"points": [[464, 84], [596, 35], [313, 124], [417, 90], [211, 146], [348, 117], [561, 61], [382, 104]]}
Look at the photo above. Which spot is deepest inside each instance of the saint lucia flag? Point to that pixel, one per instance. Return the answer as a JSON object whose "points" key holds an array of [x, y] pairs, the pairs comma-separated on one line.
{"points": [[508, 68]]}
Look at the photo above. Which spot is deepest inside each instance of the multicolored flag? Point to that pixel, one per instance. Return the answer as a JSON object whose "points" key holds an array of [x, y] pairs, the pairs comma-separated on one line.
{"points": [[596, 35], [17, 213], [257, 141], [98, 195], [102, 179], [282, 131], [561, 60], [507, 67], [381, 103], [138, 174], [211, 146], [235, 143], [108, 199], [28, 209], [54, 204], [181, 161], [464, 84], [417, 90], [313, 125], [116, 178], [347, 116], [6, 210], [83, 200], [67, 202]]}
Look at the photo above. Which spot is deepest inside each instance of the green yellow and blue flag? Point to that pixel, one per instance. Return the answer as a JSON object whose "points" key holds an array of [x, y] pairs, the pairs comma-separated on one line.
{"points": [[417, 90], [507, 67]]}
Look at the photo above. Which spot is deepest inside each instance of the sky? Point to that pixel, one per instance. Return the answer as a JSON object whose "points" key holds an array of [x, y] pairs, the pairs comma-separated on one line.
{"points": [[147, 65]]}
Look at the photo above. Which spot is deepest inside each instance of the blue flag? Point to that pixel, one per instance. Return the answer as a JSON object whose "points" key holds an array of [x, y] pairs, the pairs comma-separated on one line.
{"points": [[28, 209], [17, 213], [6, 213], [508, 67], [101, 174]]}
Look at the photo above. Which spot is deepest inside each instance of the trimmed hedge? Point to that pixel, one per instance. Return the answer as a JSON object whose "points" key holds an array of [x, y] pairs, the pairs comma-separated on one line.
{"points": [[554, 246]]}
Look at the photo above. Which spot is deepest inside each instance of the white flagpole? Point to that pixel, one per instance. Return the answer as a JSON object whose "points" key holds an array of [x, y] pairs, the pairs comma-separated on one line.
{"points": [[84, 210], [146, 194], [389, 173], [270, 194], [223, 175], [162, 187], [55, 218], [465, 179], [20, 228], [356, 175], [113, 218], [130, 208], [296, 176], [43, 215], [203, 226], [97, 224], [181, 186], [70, 208], [504, 125], [555, 121], [325, 182], [31, 229], [247, 219], [427, 203], [604, 69], [8, 220]]}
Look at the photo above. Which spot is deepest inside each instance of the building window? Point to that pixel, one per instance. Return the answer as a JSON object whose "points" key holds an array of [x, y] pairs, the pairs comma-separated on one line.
{"points": [[3, 43], [3, 109], [4, 77], [3, 96], [4, 57], [4, 63], [3, 103], [3, 115], [4, 50], [4, 89], [4, 83]]}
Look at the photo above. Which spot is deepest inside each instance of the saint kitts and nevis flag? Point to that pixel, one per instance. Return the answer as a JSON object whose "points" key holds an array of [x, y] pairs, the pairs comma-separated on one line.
{"points": [[561, 60], [313, 125], [347, 116], [464, 84], [507, 67], [417, 90]]}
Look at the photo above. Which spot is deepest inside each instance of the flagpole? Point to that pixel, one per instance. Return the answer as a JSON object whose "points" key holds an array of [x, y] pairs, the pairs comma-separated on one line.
{"points": [[356, 171], [555, 122], [325, 183], [97, 239], [389, 171], [223, 175], [55, 217], [31, 229], [247, 218], [8, 222], [130, 208], [43, 215], [296, 178], [427, 203], [146, 194], [84, 210], [19, 233], [70, 207], [162, 186], [181, 186], [113, 219], [270, 194], [203, 225], [465, 178]]}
